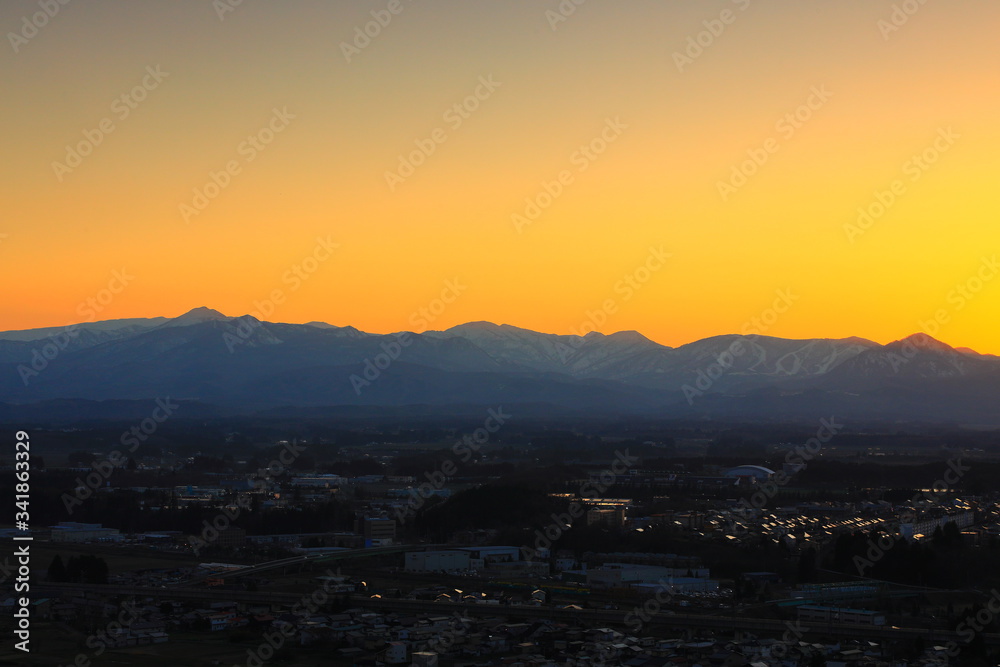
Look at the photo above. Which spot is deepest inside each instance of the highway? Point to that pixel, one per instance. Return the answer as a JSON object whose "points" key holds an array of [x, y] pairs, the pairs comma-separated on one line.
{"points": [[304, 559]]}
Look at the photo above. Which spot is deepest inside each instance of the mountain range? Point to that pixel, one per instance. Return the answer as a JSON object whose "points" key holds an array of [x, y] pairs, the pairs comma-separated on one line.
{"points": [[242, 364]]}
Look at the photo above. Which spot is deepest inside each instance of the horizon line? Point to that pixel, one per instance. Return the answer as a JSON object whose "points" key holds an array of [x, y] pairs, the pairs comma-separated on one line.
{"points": [[387, 333]]}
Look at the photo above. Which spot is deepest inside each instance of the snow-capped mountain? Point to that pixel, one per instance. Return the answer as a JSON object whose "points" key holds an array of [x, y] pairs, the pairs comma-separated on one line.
{"points": [[246, 363]]}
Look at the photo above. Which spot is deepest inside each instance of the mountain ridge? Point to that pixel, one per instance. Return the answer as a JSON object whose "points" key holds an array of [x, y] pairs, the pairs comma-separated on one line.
{"points": [[204, 312], [206, 357]]}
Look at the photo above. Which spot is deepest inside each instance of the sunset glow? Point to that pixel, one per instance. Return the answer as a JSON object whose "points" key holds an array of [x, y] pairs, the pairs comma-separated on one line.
{"points": [[685, 162]]}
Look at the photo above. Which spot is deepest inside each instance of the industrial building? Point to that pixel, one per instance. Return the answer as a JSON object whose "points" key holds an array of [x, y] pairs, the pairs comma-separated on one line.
{"points": [[481, 557], [72, 531], [679, 586], [377, 531]]}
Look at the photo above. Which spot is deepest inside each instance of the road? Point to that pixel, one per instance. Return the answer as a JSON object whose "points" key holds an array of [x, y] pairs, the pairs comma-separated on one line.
{"points": [[313, 558]]}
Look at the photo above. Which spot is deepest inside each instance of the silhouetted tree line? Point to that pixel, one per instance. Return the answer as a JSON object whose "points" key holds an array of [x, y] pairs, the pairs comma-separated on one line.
{"points": [[83, 569], [933, 562], [488, 506]]}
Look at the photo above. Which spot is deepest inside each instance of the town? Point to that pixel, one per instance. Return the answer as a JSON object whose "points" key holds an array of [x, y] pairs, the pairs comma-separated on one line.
{"points": [[376, 544]]}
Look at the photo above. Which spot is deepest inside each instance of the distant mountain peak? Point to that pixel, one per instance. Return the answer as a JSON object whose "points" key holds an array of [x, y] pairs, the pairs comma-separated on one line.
{"points": [[197, 316], [922, 341], [857, 340], [490, 327], [347, 331], [481, 325], [631, 336]]}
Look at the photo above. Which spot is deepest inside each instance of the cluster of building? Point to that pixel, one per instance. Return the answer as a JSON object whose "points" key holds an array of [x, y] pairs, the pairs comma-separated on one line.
{"points": [[431, 639], [118, 626], [815, 524], [495, 561]]}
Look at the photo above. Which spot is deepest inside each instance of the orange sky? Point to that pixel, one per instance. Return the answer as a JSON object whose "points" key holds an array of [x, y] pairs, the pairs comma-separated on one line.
{"points": [[670, 135]]}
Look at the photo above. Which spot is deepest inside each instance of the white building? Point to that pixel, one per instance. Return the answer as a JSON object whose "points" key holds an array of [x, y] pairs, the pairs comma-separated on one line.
{"points": [[910, 527], [482, 557]]}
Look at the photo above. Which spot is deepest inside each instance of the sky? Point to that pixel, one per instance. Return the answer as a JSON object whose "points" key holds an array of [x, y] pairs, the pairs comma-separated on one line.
{"points": [[684, 169]]}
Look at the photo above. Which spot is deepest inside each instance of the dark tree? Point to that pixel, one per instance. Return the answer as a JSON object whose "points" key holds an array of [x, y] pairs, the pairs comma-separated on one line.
{"points": [[952, 535], [807, 565], [57, 569]]}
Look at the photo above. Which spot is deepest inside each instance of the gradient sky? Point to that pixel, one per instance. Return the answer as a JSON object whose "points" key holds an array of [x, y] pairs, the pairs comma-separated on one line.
{"points": [[656, 185]]}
